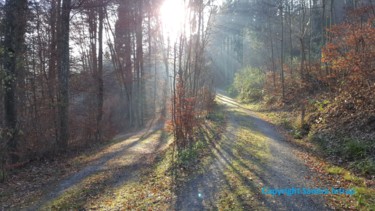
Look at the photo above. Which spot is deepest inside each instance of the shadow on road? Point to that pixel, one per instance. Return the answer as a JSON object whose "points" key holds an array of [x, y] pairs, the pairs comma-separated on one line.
{"points": [[239, 170], [111, 168]]}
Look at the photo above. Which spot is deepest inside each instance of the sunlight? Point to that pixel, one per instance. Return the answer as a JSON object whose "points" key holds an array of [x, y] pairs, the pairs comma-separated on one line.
{"points": [[172, 14]]}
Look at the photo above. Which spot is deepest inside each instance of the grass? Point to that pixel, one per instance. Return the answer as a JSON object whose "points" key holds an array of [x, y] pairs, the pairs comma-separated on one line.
{"points": [[348, 176], [242, 188], [196, 159], [355, 152], [99, 188], [152, 190], [365, 166], [334, 170], [365, 198], [155, 186], [76, 196]]}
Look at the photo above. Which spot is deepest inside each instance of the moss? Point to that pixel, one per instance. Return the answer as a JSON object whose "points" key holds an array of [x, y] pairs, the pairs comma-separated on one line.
{"points": [[335, 170], [352, 178], [365, 198]]}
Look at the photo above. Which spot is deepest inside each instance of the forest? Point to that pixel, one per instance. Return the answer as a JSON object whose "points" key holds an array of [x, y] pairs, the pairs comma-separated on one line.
{"points": [[187, 105]]}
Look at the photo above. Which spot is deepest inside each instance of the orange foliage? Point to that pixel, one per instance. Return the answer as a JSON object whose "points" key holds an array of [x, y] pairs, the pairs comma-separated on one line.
{"points": [[186, 109], [351, 51], [183, 116]]}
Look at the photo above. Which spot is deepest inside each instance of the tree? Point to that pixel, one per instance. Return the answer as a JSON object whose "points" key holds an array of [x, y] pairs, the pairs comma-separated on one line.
{"points": [[100, 85], [15, 29], [281, 8], [63, 75]]}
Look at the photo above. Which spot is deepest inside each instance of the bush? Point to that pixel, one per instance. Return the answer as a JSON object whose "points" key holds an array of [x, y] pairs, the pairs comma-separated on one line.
{"points": [[188, 156], [366, 166], [232, 92], [248, 83], [354, 150]]}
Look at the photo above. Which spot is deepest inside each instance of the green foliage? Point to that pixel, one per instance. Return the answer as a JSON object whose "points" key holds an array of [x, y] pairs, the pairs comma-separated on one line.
{"points": [[248, 82], [286, 123], [231, 91], [354, 149], [186, 156], [215, 116], [335, 170], [366, 166], [300, 130], [297, 134], [200, 145], [320, 105], [365, 197]]}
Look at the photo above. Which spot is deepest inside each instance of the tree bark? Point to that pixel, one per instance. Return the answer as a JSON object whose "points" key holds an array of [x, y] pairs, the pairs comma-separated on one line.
{"points": [[15, 29], [140, 71], [63, 76], [282, 51], [100, 85]]}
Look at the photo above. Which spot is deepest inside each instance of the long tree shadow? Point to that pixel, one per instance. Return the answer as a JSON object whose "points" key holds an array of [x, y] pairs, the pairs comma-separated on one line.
{"points": [[223, 151], [283, 170], [267, 128], [93, 180], [201, 191], [227, 153]]}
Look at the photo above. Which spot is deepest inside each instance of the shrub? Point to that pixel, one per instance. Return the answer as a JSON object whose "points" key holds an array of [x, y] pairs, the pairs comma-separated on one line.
{"points": [[355, 150], [248, 83], [232, 92]]}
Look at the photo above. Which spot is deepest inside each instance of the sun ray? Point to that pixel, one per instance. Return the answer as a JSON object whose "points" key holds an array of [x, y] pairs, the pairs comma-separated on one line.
{"points": [[173, 15]]}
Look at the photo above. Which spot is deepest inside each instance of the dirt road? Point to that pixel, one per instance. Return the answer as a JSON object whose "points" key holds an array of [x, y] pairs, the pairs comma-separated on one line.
{"points": [[252, 160], [110, 168]]}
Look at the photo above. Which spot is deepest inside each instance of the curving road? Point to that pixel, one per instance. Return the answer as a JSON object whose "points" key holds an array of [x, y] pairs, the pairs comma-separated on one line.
{"points": [[262, 162]]}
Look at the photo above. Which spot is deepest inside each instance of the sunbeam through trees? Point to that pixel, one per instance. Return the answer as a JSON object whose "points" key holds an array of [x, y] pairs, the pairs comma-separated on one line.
{"points": [[187, 104]]}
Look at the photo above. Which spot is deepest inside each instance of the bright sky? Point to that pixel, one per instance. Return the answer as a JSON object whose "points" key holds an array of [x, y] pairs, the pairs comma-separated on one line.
{"points": [[173, 14]]}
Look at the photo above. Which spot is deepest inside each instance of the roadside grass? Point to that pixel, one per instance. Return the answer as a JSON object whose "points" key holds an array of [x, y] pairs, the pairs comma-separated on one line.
{"points": [[153, 187], [197, 159], [103, 189], [242, 188], [75, 197], [242, 152], [150, 189], [364, 195], [38, 177]]}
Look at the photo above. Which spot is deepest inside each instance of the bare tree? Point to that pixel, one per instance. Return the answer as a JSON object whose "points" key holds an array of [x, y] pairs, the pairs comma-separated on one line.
{"points": [[15, 28], [63, 75]]}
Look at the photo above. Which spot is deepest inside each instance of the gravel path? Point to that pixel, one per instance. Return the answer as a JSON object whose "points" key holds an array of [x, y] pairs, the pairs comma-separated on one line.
{"points": [[282, 169], [122, 160]]}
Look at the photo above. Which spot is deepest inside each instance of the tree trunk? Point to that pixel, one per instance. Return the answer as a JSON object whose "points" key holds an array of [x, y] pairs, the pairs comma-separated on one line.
{"points": [[63, 76], [141, 77], [290, 38], [54, 12], [282, 52], [15, 29], [100, 86], [272, 53]]}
